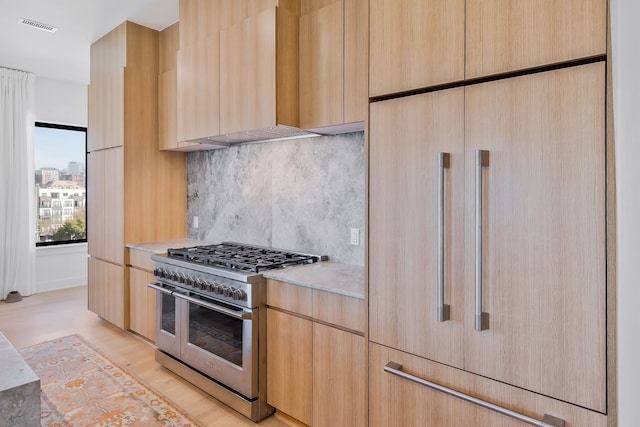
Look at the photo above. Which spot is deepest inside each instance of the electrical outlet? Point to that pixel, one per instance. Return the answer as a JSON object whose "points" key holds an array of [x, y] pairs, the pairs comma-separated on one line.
{"points": [[355, 237], [195, 222]]}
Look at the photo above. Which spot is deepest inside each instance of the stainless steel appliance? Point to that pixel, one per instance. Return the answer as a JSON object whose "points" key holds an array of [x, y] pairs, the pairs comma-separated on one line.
{"points": [[211, 320]]}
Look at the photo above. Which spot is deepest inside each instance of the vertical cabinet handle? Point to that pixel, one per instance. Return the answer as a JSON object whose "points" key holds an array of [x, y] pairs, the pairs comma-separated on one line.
{"points": [[443, 309], [481, 318]]}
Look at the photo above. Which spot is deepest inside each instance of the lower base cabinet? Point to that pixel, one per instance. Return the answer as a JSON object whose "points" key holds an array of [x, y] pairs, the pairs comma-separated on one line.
{"points": [[142, 303], [108, 295], [339, 378], [398, 401], [289, 364], [316, 356]]}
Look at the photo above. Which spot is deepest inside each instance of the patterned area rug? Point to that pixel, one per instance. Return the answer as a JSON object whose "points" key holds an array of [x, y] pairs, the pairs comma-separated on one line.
{"points": [[82, 387]]}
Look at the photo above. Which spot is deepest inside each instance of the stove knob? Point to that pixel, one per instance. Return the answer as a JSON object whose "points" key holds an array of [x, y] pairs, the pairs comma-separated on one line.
{"points": [[239, 294], [156, 272], [198, 283], [208, 286], [226, 291], [190, 281], [218, 288]]}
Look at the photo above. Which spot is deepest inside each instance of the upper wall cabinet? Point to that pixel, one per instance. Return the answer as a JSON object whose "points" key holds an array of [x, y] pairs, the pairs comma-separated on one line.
{"points": [[233, 59], [167, 92], [509, 35], [259, 72], [197, 85], [415, 44], [106, 91], [333, 63]]}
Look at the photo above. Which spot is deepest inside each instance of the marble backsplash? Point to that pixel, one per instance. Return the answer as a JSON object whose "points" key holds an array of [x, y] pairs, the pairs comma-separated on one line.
{"points": [[303, 195]]}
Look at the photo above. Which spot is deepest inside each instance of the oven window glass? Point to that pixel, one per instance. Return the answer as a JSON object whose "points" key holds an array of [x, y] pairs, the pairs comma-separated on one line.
{"points": [[216, 333], [169, 314]]}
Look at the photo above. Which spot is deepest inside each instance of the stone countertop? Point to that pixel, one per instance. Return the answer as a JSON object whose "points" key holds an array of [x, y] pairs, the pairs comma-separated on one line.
{"points": [[162, 246], [343, 279]]}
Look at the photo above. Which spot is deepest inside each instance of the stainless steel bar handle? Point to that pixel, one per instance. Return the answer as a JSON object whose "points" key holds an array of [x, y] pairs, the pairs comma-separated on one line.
{"points": [[548, 420], [443, 309], [159, 288], [481, 318], [241, 315]]}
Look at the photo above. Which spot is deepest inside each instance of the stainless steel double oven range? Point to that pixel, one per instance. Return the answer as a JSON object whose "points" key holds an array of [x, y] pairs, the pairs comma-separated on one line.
{"points": [[211, 318]]}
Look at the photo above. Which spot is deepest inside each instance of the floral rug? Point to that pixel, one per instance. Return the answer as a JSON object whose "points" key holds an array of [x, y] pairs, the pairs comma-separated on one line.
{"points": [[82, 387]]}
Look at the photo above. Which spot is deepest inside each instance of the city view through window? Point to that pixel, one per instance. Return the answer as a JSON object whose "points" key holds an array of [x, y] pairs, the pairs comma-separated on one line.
{"points": [[60, 183]]}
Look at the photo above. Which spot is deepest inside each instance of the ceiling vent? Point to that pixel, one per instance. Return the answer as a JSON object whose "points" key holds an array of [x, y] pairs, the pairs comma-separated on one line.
{"points": [[39, 25]]}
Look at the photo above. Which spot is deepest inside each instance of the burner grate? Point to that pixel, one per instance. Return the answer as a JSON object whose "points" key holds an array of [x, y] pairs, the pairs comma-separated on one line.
{"points": [[238, 256]]}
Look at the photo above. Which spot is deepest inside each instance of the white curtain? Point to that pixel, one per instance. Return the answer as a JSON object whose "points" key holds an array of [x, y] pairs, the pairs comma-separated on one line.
{"points": [[17, 183]]}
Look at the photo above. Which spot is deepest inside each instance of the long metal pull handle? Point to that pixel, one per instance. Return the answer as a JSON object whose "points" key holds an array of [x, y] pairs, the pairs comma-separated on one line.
{"points": [[241, 315], [481, 318], [443, 309], [548, 420], [159, 288]]}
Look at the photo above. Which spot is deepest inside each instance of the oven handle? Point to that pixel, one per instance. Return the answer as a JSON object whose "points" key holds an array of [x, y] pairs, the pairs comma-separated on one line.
{"points": [[244, 315]]}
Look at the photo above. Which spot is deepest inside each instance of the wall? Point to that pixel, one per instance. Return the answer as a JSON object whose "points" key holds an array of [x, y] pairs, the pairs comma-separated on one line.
{"points": [[626, 92], [62, 103], [303, 195]]}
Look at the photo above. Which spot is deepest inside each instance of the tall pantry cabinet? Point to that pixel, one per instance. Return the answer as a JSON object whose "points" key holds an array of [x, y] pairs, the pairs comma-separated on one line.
{"points": [[487, 221], [129, 180]]}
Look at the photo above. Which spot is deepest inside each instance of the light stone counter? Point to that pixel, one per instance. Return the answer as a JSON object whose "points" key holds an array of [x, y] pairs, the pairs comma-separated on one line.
{"points": [[343, 279], [162, 246], [19, 389]]}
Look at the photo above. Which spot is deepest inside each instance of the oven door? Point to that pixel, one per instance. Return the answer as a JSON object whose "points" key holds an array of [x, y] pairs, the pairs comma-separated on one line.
{"points": [[168, 315], [221, 341]]}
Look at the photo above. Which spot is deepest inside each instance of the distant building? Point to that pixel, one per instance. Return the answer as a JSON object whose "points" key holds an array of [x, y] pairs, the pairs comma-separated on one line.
{"points": [[47, 175], [58, 201], [75, 168]]}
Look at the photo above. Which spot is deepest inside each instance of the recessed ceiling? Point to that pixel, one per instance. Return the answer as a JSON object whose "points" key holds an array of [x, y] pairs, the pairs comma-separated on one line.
{"points": [[64, 54]]}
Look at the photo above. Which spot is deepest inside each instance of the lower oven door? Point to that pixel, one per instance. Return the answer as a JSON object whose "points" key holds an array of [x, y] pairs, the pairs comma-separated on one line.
{"points": [[168, 315], [221, 341]]}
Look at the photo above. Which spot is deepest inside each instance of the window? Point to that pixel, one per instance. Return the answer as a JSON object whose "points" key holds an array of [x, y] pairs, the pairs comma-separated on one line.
{"points": [[60, 159]]}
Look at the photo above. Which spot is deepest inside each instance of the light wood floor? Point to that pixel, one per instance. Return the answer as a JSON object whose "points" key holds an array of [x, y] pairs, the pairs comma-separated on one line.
{"points": [[55, 314]]}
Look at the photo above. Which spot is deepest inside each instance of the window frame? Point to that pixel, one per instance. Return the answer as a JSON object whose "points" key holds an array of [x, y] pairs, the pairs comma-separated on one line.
{"points": [[79, 129]]}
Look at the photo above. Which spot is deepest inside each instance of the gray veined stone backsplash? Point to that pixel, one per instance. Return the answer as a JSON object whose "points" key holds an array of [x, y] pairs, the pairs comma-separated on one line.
{"points": [[304, 195]]}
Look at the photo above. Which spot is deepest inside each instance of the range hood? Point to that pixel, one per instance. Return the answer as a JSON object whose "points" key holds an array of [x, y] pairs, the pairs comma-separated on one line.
{"points": [[274, 133]]}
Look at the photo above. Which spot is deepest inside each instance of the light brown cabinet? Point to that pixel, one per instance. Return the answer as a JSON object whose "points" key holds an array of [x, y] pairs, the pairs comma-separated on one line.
{"points": [[506, 35], [316, 362], [416, 44], [526, 219], [236, 67], [333, 63], [142, 299], [401, 402], [128, 178], [259, 72], [168, 92], [289, 364]]}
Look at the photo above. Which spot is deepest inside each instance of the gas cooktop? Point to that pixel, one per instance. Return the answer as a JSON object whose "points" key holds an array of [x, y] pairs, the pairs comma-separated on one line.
{"points": [[241, 257]]}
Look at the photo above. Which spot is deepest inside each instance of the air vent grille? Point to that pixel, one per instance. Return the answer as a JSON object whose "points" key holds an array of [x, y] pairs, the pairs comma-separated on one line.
{"points": [[39, 25]]}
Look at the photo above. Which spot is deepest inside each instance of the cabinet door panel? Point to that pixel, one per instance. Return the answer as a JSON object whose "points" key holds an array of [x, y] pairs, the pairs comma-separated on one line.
{"points": [[396, 401], [142, 303], [248, 74], [321, 67], [406, 137], [544, 264], [415, 44], [507, 35], [339, 385], [290, 364], [113, 205]]}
